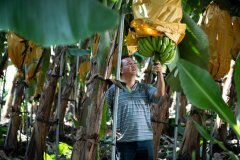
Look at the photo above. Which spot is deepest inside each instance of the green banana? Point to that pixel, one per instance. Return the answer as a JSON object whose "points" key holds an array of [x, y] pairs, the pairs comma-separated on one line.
{"points": [[146, 48], [148, 45], [171, 42], [168, 49], [171, 56], [154, 43], [149, 39], [166, 40], [159, 45], [141, 49], [162, 48], [163, 58]]}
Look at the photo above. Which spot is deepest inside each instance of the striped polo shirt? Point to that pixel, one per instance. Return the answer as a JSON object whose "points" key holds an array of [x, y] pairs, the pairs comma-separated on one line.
{"points": [[133, 116]]}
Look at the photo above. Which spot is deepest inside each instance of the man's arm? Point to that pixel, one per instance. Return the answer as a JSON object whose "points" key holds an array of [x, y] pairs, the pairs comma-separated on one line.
{"points": [[160, 80]]}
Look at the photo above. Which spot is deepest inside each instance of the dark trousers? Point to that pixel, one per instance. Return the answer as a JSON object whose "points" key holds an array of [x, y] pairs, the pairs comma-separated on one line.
{"points": [[138, 150]]}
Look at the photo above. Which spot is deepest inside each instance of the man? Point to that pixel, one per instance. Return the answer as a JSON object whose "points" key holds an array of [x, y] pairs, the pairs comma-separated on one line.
{"points": [[134, 130]]}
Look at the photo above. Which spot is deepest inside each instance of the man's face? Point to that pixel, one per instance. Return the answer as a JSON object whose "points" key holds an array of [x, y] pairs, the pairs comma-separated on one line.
{"points": [[129, 67]]}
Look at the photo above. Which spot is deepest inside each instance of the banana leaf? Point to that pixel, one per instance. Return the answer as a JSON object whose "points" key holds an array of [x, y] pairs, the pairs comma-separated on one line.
{"points": [[203, 92], [194, 47], [173, 81], [78, 52], [55, 22], [103, 50], [237, 84]]}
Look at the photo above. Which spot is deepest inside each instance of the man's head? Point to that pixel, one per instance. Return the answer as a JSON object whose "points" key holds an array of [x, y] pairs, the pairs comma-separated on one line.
{"points": [[128, 66]]}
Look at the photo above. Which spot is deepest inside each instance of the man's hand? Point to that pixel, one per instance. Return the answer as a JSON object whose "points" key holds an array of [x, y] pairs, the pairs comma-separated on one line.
{"points": [[157, 68]]}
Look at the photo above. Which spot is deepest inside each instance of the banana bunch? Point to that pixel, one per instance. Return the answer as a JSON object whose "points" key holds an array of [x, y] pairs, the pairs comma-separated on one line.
{"points": [[160, 48]]}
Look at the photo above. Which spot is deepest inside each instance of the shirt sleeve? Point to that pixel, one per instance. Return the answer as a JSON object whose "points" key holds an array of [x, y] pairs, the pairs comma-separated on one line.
{"points": [[152, 98]]}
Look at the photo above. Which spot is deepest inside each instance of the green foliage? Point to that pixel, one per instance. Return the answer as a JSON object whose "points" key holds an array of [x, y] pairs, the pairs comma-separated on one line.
{"points": [[48, 157], [3, 132], [46, 23], [195, 82], [64, 151], [206, 135]]}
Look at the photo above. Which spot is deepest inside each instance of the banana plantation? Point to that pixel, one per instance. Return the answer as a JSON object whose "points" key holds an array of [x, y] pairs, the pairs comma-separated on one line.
{"points": [[58, 58]]}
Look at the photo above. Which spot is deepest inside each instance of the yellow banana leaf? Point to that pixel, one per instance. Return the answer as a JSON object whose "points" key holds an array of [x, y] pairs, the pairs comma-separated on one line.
{"points": [[217, 25], [157, 18], [16, 47], [95, 44], [84, 68], [34, 54]]}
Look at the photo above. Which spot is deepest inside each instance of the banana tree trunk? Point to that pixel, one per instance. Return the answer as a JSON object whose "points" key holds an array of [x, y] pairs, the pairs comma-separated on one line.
{"points": [[160, 114], [191, 137], [11, 138], [36, 145], [67, 89], [182, 109], [88, 135]]}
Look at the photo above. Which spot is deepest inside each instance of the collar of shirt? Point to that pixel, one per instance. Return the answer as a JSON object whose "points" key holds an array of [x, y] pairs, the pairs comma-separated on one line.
{"points": [[133, 87]]}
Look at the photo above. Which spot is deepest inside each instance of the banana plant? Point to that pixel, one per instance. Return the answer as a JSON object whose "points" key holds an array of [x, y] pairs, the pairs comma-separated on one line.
{"points": [[195, 82], [194, 49], [94, 100]]}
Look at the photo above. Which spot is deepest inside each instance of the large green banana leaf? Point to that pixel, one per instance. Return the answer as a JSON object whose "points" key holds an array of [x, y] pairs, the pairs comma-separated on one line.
{"points": [[52, 22], [203, 92]]}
